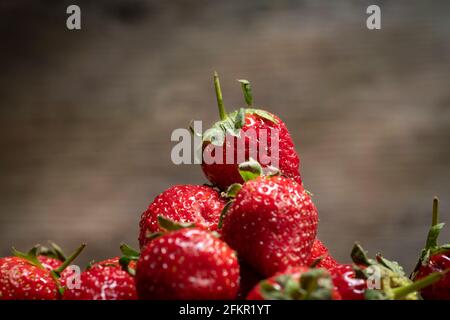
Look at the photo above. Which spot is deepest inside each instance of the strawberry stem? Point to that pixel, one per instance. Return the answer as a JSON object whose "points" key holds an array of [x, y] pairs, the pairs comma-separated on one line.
{"points": [[435, 219], [69, 260], [222, 112], [419, 284], [247, 91]]}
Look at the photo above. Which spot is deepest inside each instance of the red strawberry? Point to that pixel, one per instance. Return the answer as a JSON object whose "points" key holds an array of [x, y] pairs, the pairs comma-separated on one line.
{"points": [[248, 127], [21, 280], [187, 264], [434, 258], [201, 205], [25, 277], [350, 287], [319, 251], [441, 289], [378, 279], [105, 280], [301, 283], [271, 223]]}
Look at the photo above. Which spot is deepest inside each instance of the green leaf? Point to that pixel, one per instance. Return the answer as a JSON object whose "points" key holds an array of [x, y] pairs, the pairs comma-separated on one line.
{"points": [[392, 265], [433, 235], [372, 294], [359, 273], [239, 120], [247, 90], [359, 256], [224, 213], [128, 251], [31, 257], [263, 114], [233, 190], [317, 284], [269, 292], [125, 264], [153, 235], [171, 225], [58, 251], [250, 170]]}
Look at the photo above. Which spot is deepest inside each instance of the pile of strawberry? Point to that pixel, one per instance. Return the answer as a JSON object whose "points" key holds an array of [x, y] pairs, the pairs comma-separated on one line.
{"points": [[251, 234]]}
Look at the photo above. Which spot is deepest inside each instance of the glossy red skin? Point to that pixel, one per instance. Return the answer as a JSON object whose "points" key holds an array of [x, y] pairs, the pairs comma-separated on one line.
{"points": [[271, 224], [319, 250], [441, 289], [20, 280], [188, 264], [345, 282], [49, 263], [255, 294], [201, 205], [105, 280], [223, 175]]}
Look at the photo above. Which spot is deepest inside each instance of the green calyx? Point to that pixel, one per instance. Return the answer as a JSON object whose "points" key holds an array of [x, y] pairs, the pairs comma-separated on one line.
{"points": [[386, 279], [57, 272], [167, 225], [314, 284], [232, 123], [381, 275], [251, 170], [128, 255], [53, 252], [431, 246]]}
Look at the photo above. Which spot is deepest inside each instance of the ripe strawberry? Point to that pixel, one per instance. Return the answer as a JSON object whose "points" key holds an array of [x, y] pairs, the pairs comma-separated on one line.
{"points": [[434, 258], [201, 205], [345, 281], [187, 264], [25, 277], [271, 223], [379, 279], [320, 253], [300, 283], [441, 289], [105, 280], [247, 127]]}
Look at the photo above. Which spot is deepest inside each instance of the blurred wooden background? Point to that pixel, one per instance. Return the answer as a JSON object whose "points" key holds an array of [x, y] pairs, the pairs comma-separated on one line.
{"points": [[86, 116]]}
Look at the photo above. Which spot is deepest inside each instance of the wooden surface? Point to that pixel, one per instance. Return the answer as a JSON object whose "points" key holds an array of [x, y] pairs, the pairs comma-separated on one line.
{"points": [[86, 117]]}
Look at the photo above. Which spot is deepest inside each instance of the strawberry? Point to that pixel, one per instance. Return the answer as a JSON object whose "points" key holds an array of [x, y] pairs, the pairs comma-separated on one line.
{"points": [[105, 280], [434, 258], [201, 205], [31, 276], [320, 253], [256, 131], [345, 281], [187, 264], [377, 279], [272, 221], [300, 283]]}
